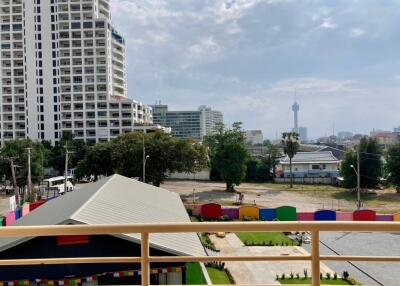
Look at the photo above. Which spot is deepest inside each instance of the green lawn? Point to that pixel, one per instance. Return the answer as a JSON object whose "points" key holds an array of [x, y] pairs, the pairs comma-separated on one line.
{"points": [[194, 276], [265, 237], [307, 281], [218, 276]]}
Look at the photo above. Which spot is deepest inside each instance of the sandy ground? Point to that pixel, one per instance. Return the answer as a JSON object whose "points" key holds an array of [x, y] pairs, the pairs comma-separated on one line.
{"points": [[253, 193], [261, 272]]}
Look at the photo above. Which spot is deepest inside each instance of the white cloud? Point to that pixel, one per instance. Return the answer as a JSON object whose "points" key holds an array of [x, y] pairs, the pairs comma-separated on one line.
{"points": [[204, 46], [314, 85], [396, 77], [159, 37], [328, 24], [233, 28], [232, 9], [356, 32], [238, 103]]}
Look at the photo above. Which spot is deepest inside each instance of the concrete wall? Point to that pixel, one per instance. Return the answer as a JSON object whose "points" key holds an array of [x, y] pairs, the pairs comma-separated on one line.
{"points": [[202, 176], [322, 181]]}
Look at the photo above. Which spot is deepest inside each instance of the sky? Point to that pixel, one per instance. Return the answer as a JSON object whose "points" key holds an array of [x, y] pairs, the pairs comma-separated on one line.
{"points": [[248, 58]]}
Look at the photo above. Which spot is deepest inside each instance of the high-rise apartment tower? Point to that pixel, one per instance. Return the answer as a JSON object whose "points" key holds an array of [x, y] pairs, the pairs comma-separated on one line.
{"points": [[63, 70]]}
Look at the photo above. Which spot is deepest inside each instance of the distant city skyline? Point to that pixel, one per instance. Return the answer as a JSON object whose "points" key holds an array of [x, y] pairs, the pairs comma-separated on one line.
{"points": [[245, 58]]}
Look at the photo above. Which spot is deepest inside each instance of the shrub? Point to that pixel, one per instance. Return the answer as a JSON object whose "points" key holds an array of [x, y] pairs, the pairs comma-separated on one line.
{"points": [[270, 243], [231, 279], [328, 276], [298, 275], [283, 276], [353, 281], [335, 276], [345, 275], [305, 272], [291, 275], [224, 218], [189, 211], [247, 218], [277, 277], [320, 276]]}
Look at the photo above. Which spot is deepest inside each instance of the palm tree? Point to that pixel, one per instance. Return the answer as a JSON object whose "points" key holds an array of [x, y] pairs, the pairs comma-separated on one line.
{"points": [[290, 143]]}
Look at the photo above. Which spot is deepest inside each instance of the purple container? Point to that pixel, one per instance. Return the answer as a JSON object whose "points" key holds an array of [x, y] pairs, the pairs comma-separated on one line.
{"points": [[384, 217], [232, 213]]}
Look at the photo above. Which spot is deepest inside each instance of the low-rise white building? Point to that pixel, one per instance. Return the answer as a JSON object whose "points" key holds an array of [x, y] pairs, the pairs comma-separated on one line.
{"points": [[311, 164]]}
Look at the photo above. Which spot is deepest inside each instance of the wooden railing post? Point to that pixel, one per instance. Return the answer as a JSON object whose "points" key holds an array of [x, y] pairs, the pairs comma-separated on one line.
{"points": [[144, 259], [315, 258]]}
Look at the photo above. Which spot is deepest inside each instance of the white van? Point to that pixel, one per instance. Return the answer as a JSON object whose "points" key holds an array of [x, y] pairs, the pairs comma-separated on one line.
{"points": [[57, 183]]}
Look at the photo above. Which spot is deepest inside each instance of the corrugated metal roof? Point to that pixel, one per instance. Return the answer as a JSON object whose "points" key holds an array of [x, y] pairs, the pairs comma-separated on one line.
{"points": [[311, 157], [118, 200]]}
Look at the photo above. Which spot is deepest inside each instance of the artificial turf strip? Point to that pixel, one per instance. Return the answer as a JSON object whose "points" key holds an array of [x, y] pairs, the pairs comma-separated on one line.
{"points": [[218, 276], [194, 275], [265, 238]]}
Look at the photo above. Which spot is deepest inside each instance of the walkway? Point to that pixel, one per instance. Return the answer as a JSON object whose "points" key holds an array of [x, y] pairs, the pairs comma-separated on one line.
{"points": [[261, 272]]}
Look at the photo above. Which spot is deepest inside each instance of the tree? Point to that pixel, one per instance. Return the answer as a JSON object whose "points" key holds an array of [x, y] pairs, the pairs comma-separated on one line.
{"points": [[393, 165], [78, 148], [370, 165], [274, 154], [290, 142], [97, 161], [166, 155], [258, 169], [347, 172], [228, 154], [16, 150]]}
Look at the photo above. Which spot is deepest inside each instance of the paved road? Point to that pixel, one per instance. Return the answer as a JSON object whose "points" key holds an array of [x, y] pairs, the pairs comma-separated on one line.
{"points": [[368, 273], [261, 272]]}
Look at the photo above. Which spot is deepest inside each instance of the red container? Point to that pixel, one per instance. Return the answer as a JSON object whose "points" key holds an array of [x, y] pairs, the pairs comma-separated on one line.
{"points": [[211, 211], [35, 205], [364, 215]]}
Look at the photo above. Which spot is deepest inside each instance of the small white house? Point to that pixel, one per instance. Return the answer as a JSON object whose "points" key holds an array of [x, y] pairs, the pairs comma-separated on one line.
{"points": [[319, 164]]}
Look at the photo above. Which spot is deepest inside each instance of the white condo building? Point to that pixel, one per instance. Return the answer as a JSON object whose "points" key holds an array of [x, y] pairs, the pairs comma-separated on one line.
{"points": [[210, 119], [63, 69]]}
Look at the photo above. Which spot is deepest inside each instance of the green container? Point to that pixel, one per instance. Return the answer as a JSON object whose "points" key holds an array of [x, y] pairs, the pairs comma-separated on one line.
{"points": [[286, 213]]}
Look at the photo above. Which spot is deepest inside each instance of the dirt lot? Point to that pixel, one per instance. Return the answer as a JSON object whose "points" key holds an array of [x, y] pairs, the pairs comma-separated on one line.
{"points": [[305, 198]]}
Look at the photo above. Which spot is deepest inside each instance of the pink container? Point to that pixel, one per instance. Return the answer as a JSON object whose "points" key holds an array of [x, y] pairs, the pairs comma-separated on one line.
{"points": [[196, 209], [305, 216], [10, 218], [344, 216], [25, 209]]}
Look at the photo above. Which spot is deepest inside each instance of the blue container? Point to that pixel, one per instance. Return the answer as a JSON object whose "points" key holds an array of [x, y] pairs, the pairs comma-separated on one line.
{"points": [[267, 214], [17, 213], [325, 215]]}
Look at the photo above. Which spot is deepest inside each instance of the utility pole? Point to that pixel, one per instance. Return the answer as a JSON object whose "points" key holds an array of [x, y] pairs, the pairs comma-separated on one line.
{"points": [[144, 160], [14, 179], [29, 174], [358, 179], [66, 167]]}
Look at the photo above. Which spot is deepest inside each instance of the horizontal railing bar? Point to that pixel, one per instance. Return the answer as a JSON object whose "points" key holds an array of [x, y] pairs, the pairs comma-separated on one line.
{"points": [[229, 258], [361, 258], [160, 259], [68, 260], [51, 230]]}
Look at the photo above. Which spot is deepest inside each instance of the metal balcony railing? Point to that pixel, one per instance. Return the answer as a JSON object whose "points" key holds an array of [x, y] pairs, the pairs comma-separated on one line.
{"points": [[146, 229]]}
